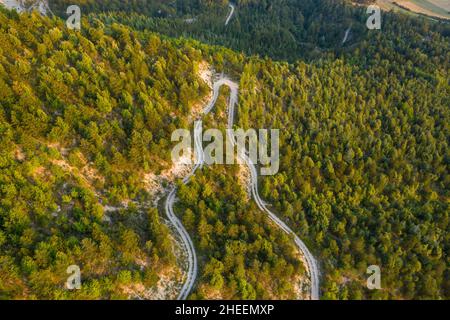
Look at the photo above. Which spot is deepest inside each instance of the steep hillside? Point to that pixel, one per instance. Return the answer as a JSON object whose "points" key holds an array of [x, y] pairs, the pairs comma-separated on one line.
{"points": [[85, 124]]}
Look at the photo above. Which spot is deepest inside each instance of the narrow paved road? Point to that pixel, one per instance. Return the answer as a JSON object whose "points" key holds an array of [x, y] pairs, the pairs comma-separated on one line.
{"points": [[170, 200], [41, 5], [187, 243], [230, 15], [347, 32]]}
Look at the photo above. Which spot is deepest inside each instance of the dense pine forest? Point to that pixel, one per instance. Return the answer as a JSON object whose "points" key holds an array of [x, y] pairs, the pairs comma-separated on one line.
{"points": [[83, 118], [86, 119]]}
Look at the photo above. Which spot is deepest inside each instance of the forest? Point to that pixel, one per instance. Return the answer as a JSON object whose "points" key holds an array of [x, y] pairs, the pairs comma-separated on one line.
{"points": [[284, 30], [83, 117]]}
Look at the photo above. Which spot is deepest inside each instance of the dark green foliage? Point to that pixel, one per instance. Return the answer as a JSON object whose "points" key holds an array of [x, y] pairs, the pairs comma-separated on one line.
{"points": [[242, 254]]}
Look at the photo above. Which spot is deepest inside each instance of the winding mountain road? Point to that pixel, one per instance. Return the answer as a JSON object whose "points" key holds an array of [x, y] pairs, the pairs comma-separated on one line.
{"points": [[170, 200], [230, 15], [184, 236], [21, 6]]}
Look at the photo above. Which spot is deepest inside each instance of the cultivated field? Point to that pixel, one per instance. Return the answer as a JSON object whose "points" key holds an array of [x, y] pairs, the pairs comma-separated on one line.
{"points": [[432, 8]]}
